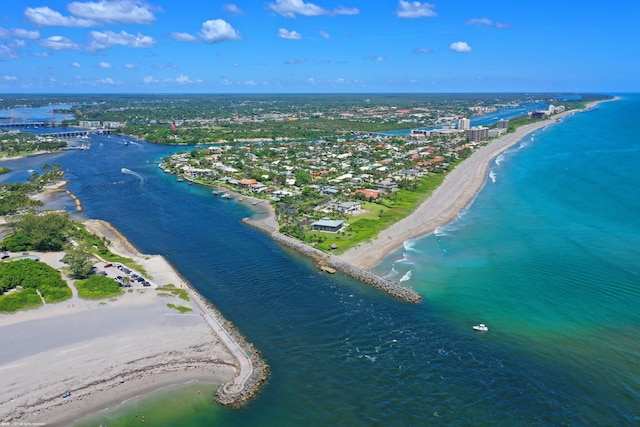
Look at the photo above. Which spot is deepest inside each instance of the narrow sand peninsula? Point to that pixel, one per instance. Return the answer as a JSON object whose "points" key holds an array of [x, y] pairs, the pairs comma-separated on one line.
{"points": [[107, 352], [456, 192]]}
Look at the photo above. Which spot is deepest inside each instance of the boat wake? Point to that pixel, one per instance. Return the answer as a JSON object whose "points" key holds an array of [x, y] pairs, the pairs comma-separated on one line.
{"points": [[130, 172]]}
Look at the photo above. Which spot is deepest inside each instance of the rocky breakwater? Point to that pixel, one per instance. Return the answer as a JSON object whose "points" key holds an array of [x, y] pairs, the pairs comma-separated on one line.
{"points": [[391, 288], [252, 372]]}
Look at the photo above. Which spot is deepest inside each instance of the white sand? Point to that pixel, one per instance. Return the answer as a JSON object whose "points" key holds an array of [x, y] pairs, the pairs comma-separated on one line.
{"points": [[456, 192], [89, 347]]}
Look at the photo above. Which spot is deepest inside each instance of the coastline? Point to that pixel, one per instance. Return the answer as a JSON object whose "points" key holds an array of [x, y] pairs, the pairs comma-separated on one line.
{"points": [[106, 352], [457, 191]]}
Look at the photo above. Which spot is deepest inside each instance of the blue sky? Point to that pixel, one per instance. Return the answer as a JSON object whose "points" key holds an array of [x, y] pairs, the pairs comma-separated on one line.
{"points": [[249, 46]]}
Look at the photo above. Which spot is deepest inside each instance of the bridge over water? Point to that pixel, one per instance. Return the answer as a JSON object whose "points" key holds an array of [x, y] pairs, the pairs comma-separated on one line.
{"points": [[68, 133]]}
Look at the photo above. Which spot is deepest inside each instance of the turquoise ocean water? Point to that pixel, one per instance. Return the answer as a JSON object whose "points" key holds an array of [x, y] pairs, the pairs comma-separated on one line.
{"points": [[547, 256]]}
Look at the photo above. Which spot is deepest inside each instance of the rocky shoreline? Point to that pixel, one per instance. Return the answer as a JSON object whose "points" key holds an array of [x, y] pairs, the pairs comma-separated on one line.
{"points": [[389, 287]]}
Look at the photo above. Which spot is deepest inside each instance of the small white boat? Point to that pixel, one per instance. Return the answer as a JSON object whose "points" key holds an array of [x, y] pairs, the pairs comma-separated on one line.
{"points": [[480, 327]]}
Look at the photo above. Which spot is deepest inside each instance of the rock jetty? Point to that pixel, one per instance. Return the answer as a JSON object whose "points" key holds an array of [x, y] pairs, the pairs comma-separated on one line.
{"points": [[389, 287]]}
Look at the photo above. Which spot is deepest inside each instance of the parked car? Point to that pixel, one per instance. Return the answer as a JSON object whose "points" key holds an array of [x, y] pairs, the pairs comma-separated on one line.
{"points": [[66, 394]]}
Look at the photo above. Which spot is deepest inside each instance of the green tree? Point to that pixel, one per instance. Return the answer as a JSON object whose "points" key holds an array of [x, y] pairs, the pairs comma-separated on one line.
{"points": [[79, 258], [43, 232], [302, 178]]}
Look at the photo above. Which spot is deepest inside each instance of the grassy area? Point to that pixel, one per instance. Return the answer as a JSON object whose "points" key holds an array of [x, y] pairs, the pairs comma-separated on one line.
{"points": [[19, 300], [182, 309], [98, 287], [170, 288], [380, 216]]}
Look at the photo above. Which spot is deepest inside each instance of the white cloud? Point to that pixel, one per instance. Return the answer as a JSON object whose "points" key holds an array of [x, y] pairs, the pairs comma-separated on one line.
{"points": [[293, 62], [291, 8], [232, 8], [104, 65], [486, 22], [324, 34], [150, 79], [289, 35], [218, 30], [182, 79], [104, 40], [106, 81], [460, 47], [183, 37], [114, 11], [376, 58], [76, 65], [422, 51], [26, 34], [415, 9], [89, 14], [130, 66], [20, 43], [9, 78], [7, 51], [482, 22], [59, 43], [46, 16], [41, 54]]}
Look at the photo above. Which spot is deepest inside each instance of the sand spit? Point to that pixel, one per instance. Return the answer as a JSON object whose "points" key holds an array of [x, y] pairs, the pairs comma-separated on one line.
{"points": [[105, 352]]}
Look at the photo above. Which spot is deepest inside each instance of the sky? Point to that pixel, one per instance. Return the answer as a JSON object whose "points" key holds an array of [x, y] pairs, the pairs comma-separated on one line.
{"points": [[319, 46]]}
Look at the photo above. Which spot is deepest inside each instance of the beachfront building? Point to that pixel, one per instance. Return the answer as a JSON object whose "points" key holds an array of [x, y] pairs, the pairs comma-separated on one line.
{"points": [[479, 133], [113, 125], [464, 124], [328, 225], [367, 193], [348, 208], [387, 186], [502, 124], [494, 133]]}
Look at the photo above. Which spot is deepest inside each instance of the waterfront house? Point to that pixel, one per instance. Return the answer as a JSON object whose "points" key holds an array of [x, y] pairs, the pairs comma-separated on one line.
{"points": [[328, 225]]}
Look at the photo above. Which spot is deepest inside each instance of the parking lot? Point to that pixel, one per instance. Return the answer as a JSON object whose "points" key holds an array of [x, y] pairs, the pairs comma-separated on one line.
{"points": [[126, 277]]}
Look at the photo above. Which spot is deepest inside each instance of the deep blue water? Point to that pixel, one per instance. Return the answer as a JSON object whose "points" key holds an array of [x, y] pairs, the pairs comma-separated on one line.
{"points": [[547, 256]]}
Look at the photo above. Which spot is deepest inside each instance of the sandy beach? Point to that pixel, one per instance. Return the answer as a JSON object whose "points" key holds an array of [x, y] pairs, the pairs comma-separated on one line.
{"points": [[456, 192], [105, 352]]}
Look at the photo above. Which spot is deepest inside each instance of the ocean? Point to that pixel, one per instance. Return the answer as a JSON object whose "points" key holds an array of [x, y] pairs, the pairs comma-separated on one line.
{"points": [[546, 256]]}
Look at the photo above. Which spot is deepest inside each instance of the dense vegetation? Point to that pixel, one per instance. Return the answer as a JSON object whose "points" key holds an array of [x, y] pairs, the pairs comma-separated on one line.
{"points": [[15, 197], [210, 118], [48, 232], [98, 287], [34, 277], [22, 143]]}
